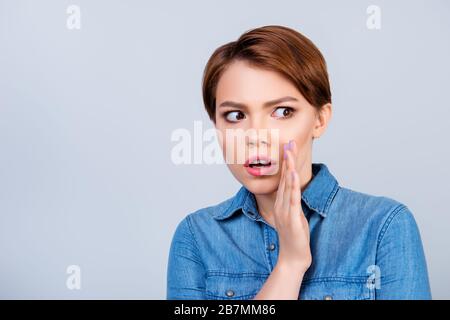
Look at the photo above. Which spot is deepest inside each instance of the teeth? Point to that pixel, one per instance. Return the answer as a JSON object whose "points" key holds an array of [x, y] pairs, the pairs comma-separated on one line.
{"points": [[264, 162]]}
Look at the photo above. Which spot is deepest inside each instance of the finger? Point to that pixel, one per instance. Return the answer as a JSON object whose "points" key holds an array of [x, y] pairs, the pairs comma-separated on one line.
{"points": [[288, 183], [294, 149], [295, 194], [281, 185], [283, 171], [291, 159]]}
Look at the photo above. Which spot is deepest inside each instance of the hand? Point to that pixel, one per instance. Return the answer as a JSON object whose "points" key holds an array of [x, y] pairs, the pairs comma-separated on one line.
{"points": [[290, 221]]}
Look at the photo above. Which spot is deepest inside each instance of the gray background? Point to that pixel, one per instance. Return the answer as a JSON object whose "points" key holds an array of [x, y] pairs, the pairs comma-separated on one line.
{"points": [[86, 118]]}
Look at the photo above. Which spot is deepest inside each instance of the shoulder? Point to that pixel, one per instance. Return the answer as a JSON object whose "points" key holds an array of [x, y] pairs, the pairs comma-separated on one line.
{"points": [[205, 216], [365, 202], [377, 211], [208, 213]]}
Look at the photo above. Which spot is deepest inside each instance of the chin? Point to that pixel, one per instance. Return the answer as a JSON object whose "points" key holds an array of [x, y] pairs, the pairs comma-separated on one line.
{"points": [[261, 185]]}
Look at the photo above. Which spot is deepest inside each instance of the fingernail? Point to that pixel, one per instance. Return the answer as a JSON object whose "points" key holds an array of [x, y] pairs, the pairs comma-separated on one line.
{"points": [[285, 146], [291, 144]]}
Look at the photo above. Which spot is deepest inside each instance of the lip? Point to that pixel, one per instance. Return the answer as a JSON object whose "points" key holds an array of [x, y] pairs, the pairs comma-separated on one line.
{"points": [[261, 171], [258, 157]]}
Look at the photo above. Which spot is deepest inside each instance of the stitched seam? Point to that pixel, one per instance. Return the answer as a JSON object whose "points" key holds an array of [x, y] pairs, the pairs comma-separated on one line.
{"points": [[266, 238], [195, 240], [191, 289], [386, 225], [210, 294], [245, 206], [237, 275], [221, 216], [331, 196], [327, 203], [310, 205], [358, 280]]}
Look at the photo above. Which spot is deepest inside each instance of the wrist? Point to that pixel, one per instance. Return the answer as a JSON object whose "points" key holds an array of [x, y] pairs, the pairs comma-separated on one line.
{"points": [[291, 267]]}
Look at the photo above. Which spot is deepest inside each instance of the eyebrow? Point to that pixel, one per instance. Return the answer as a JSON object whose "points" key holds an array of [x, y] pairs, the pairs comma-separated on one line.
{"points": [[266, 104]]}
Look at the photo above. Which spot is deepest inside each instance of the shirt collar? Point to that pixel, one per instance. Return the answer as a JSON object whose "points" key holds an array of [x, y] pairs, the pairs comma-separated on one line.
{"points": [[317, 196]]}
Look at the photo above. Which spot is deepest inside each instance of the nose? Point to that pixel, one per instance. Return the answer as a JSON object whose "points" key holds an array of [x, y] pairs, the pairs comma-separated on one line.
{"points": [[255, 139], [258, 132], [258, 144], [261, 137]]}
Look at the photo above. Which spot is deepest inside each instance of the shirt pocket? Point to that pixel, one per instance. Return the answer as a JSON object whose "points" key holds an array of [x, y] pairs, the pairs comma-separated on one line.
{"points": [[336, 289], [233, 286]]}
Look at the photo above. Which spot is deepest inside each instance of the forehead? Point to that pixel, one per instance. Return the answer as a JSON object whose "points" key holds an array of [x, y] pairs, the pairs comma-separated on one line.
{"points": [[242, 82]]}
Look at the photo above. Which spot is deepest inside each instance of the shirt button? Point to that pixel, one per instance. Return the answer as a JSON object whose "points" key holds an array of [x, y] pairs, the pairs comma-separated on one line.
{"points": [[229, 293], [272, 247], [328, 297]]}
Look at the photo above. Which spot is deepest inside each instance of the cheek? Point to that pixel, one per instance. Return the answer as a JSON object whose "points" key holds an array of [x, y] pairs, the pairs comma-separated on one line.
{"points": [[232, 145], [301, 134], [221, 138]]}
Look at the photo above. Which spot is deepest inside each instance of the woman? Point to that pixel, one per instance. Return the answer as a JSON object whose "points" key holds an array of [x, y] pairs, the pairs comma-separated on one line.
{"points": [[291, 231]]}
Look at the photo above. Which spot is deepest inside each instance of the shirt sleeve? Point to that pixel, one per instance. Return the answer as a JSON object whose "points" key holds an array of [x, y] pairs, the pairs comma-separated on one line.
{"points": [[185, 271], [401, 259]]}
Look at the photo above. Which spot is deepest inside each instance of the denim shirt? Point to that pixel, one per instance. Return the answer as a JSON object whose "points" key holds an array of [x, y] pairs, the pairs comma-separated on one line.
{"points": [[363, 247]]}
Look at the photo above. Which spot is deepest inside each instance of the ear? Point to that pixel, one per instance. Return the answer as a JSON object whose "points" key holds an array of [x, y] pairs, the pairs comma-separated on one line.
{"points": [[323, 117]]}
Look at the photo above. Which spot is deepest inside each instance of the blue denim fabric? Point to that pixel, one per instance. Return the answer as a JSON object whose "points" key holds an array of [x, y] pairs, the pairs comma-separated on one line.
{"points": [[363, 247]]}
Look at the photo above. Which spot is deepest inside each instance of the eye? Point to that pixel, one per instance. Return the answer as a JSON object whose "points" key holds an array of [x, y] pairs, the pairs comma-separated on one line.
{"points": [[284, 112], [233, 116]]}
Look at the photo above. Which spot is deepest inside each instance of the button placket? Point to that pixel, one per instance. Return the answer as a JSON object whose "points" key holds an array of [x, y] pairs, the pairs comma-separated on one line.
{"points": [[270, 243]]}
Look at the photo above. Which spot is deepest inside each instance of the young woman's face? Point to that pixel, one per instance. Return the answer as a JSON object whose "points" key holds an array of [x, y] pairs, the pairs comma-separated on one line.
{"points": [[273, 124]]}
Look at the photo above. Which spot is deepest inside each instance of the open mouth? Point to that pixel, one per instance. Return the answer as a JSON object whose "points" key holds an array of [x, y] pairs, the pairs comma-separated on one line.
{"points": [[259, 165], [258, 161]]}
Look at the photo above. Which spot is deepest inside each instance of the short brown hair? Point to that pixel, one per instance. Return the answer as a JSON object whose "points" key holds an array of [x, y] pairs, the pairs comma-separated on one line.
{"points": [[275, 48]]}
